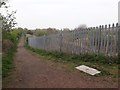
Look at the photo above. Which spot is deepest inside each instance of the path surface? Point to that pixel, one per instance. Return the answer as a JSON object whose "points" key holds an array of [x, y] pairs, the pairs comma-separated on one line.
{"points": [[35, 72]]}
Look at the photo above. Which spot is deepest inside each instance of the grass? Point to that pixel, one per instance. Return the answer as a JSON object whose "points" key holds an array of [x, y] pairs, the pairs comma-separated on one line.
{"points": [[0, 68], [7, 62], [107, 65], [8, 54]]}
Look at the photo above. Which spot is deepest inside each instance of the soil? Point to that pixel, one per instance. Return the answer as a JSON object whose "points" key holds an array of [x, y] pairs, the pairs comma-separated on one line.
{"points": [[32, 71]]}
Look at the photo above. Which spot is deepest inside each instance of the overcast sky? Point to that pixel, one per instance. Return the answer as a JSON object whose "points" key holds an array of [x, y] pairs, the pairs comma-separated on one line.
{"points": [[64, 13]]}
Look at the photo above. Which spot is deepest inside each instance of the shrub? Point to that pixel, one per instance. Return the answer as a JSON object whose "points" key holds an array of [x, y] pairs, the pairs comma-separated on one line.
{"points": [[9, 43]]}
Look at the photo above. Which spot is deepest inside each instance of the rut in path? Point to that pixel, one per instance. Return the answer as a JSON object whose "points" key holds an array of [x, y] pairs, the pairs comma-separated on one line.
{"points": [[34, 72]]}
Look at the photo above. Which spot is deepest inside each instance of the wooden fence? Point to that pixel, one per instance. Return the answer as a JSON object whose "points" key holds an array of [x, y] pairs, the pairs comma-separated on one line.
{"points": [[99, 40]]}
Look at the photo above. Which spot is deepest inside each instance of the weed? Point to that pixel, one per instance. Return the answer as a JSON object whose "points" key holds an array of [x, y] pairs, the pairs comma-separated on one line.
{"points": [[9, 51], [99, 62]]}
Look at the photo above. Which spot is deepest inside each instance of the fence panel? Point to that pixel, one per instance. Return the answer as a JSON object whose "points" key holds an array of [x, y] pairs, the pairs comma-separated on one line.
{"points": [[97, 40]]}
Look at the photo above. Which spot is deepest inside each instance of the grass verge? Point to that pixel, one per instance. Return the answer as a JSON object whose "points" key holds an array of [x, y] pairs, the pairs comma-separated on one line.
{"points": [[107, 65], [7, 61], [9, 42]]}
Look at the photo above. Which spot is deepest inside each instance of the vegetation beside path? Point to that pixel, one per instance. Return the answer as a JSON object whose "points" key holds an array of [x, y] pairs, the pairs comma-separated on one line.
{"points": [[108, 66], [9, 42]]}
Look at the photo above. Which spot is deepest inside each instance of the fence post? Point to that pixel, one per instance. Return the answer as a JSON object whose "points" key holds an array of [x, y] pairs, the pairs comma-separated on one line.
{"points": [[118, 43], [113, 39], [102, 38], [99, 40], [105, 40], [44, 38], [90, 36], [96, 40], [60, 36], [93, 37]]}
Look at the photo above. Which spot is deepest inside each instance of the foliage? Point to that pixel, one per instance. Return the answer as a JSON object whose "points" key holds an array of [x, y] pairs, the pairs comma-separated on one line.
{"points": [[7, 61], [40, 33], [3, 3], [82, 26], [30, 32], [99, 62], [8, 21], [12, 35], [9, 50], [10, 38], [48, 31], [76, 58]]}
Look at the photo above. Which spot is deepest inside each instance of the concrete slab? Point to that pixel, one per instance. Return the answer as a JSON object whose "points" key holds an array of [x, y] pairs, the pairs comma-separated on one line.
{"points": [[88, 70]]}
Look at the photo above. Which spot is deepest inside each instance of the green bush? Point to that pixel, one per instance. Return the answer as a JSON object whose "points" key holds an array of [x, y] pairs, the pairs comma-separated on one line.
{"points": [[8, 54]]}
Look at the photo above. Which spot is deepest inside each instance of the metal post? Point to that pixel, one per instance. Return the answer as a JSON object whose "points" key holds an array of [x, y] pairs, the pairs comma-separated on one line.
{"points": [[61, 41], [118, 31]]}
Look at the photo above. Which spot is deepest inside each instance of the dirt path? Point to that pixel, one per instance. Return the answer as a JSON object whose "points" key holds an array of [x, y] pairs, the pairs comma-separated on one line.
{"points": [[34, 72]]}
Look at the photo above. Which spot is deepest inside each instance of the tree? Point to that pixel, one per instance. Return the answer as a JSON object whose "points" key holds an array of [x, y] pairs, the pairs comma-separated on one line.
{"points": [[30, 32], [66, 29], [3, 3], [82, 26], [8, 21]]}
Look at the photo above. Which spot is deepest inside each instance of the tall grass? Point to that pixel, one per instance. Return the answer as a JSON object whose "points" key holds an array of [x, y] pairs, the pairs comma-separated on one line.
{"points": [[76, 58], [107, 65], [7, 61], [8, 54]]}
